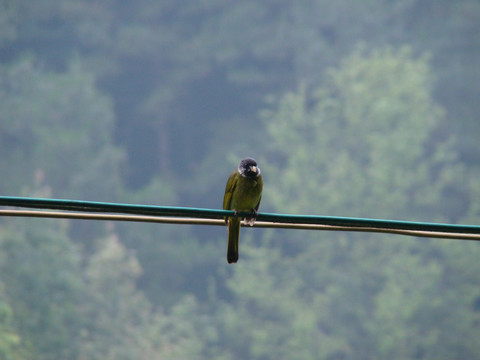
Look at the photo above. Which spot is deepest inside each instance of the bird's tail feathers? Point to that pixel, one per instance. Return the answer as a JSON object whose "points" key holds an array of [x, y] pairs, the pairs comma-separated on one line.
{"points": [[233, 235]]}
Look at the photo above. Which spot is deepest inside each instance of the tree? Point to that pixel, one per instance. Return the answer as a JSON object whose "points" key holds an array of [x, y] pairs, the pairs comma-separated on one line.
{"points": [[364, 144], [40, 269], [370, 132], [56, 133], [122, 324], [10, 340]]}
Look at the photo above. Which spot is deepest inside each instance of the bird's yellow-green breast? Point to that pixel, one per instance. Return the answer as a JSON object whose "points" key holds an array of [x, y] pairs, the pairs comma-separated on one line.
{"points": [[242, 193]]}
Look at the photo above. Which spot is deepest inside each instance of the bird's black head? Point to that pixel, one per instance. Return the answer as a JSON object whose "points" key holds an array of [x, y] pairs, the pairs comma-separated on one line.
{"points": [[248, 167]]}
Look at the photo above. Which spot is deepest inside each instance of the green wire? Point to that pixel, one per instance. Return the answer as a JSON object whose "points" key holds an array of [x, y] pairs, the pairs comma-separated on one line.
{"points": [[95, 206], [104, 207]]}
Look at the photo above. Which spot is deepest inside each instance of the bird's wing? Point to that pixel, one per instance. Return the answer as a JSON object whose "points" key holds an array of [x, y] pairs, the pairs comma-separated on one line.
{"points": [[258, 204], [229, 189]]}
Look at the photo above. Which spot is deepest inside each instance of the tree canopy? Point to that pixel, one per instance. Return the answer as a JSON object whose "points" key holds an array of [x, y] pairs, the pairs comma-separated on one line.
{"points": [[350, 108]]}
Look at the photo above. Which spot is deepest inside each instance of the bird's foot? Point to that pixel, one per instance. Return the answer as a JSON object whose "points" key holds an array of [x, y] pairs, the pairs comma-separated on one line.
{"points": [[250, 220]]}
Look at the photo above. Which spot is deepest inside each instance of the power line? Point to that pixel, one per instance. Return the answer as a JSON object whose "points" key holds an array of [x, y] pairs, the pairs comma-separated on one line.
{"points": [[215, 222], [89, 210]]}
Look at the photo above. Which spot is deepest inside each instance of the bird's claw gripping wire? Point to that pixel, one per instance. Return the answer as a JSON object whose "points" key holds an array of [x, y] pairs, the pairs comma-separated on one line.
{"points": [[250, 220]]}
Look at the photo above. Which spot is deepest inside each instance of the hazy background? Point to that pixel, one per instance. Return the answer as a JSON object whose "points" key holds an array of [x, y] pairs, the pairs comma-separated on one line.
{"points": [[352, 108]]}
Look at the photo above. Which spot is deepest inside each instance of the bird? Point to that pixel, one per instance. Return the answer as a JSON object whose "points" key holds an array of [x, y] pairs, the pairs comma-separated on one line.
{"points": [[243, 193]]}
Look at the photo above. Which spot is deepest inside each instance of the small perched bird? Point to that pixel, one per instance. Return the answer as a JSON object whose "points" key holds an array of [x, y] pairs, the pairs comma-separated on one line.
{"points": [[242, 193]]}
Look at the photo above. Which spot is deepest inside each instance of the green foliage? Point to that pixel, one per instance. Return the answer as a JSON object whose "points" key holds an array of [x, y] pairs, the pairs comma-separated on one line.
{"points": [[121, 323], [9, 337], [370, 133], [426, 308], [276, 315], [41, 273], [63, 310], [56, 116], [221, 58], [170, 255], [365, 146], [154, 102], [114, 304]]}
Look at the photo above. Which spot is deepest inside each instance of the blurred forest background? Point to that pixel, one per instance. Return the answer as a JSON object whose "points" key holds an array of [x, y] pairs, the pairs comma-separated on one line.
{"points": [[352, 108]]}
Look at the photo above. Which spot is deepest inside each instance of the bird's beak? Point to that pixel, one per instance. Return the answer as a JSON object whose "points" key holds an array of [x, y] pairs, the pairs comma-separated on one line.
{"points": [[254, 169]]}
